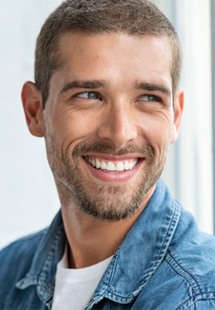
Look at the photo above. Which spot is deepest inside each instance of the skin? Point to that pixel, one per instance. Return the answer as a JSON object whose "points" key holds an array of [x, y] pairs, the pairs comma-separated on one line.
{"points": [[124, 114]]}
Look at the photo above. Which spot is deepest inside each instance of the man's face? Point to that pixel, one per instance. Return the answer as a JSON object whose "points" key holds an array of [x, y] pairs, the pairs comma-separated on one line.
{"points": [[109, 120]]}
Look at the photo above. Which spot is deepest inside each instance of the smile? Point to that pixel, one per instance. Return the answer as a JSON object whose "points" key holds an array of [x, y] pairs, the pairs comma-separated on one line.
{"points": [[119, 166]]}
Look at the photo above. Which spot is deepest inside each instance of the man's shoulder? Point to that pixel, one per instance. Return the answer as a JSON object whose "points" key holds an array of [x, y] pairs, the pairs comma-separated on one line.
{"points": [[188, 268], [196, 257], [193, 264], [23, 245], [185, 278], [28, 262], [16, 258], [192, 248]]}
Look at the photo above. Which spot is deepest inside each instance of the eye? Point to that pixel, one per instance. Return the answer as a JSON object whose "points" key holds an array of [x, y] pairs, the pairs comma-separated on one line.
{"points": [[89, 95], [150, 98]]}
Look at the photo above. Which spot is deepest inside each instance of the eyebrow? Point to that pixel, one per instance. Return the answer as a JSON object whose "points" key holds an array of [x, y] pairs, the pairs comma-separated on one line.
{"points": [[93, 84], [153, 87], [82, 84]]}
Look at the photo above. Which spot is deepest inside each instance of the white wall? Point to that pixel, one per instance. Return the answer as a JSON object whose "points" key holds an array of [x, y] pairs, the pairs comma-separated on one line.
{"points": [[28, 196], [195, 166]]}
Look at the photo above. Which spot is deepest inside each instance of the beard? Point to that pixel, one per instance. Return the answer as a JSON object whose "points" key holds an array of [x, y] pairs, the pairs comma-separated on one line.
{"points": [[109, 202]]}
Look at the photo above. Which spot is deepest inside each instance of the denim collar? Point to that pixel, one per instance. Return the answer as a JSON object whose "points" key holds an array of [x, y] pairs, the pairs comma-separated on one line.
{"points": [[43, 268], [142, 251], [136, 260]]}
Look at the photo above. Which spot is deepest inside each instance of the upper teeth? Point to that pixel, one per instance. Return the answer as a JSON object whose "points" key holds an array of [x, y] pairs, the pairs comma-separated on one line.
{"points": [[112, 166]]}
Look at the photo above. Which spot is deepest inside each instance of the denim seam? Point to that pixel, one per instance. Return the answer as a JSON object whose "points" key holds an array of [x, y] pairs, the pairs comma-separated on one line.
{"points": [[171, 228], [162, 252], [97, 297], [42, 277], [193, 301], [183, 273]]}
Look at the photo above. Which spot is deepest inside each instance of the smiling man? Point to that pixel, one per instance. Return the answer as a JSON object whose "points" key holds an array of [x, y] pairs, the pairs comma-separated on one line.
{"points": [[106, 101]]}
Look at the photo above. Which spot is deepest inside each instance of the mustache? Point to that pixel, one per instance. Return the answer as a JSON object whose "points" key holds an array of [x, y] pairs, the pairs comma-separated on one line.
{"points": [[107, 148]]}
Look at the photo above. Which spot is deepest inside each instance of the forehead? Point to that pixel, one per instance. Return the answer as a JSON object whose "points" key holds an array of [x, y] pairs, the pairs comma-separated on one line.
{"points": [[118, 55]]}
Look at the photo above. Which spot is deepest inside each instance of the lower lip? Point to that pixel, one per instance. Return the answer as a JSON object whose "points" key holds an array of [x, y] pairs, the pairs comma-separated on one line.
{"points": [[115, 176]]}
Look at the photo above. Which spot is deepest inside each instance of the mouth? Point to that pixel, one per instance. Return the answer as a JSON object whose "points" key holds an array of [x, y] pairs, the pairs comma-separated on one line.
{"points": [[113, 169]]}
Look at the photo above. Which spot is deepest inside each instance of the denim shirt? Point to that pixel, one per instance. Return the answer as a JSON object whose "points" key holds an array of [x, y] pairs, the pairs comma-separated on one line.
{"points": [[164, 263]]}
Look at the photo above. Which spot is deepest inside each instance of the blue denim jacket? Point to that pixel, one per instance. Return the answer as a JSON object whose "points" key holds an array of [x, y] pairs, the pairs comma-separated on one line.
{"points": [[164, 263]]}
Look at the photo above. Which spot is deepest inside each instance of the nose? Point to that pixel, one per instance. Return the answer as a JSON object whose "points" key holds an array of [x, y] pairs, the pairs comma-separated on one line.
{"points": [[118, 124]]}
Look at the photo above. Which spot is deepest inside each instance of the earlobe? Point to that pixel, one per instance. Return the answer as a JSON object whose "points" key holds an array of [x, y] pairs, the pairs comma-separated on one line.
{"points": [[178, 109], [33, 109]]}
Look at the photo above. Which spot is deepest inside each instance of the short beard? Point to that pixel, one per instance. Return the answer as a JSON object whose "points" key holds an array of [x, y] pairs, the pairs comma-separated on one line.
{"points": [[107, 202]]}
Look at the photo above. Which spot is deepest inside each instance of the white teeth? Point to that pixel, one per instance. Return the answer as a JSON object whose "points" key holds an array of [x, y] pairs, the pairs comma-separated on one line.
{"points": [[112, 166], [120, 166], [98, 164], [127, 166], [103, 165], [133, 164]]}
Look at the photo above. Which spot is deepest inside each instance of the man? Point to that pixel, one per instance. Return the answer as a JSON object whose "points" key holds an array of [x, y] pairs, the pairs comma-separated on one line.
{"points": [[107, 102]]}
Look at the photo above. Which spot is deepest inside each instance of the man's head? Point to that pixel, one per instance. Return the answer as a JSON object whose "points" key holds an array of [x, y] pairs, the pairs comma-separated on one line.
{"points": [[133, 17], [106, 81]]}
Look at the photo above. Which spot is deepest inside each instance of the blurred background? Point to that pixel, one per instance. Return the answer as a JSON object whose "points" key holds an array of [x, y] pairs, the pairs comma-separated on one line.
{"points": [[28, 195]]}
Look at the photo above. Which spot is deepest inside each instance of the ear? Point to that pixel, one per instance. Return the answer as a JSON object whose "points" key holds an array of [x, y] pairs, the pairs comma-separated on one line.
{"points": [[178, 109], [33, 109]]}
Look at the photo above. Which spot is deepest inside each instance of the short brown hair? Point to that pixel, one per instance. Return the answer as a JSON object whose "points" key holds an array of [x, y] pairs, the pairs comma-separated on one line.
{"points": [[134, 17]]}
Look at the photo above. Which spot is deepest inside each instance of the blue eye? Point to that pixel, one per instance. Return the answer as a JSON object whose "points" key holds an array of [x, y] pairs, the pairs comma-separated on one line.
{"points": [[88, 95], [150, 98]]}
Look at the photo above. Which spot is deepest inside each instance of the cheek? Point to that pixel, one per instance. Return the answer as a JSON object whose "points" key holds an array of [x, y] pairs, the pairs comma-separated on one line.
{"points": [[157, 130], [71, 129]]}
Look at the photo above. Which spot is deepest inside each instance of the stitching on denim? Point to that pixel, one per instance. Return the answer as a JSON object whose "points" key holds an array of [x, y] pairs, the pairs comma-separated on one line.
{"points": [[185, 272], [171, 228], [51, 251], [163, 249], [109, 278], [46, 266], [193, 302], [158, 260], [172, 220]]}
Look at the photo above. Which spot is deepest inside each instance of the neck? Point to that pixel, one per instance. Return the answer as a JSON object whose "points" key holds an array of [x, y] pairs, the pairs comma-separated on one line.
{"points": [[92, 240]]}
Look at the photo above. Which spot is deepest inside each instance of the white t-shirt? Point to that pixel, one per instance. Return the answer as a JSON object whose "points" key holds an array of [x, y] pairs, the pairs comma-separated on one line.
{"points": [[75, 287]]}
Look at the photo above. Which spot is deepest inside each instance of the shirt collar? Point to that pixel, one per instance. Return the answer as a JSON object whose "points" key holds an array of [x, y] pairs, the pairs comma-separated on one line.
{"points": [[136, 260], [142, 251], [43, 268]]}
